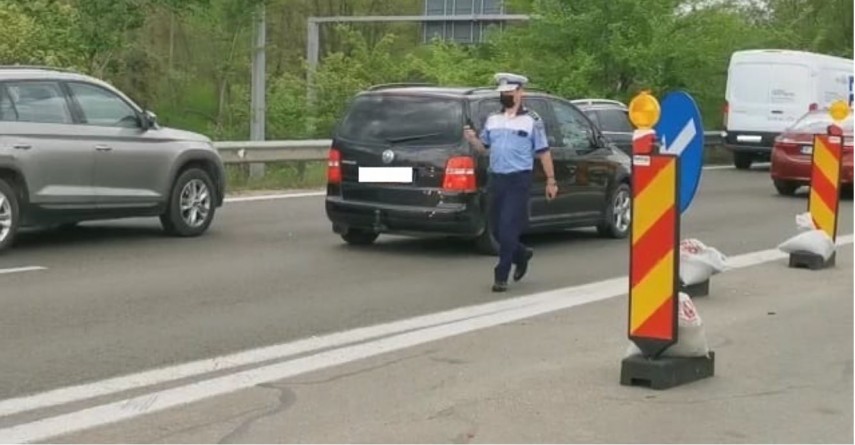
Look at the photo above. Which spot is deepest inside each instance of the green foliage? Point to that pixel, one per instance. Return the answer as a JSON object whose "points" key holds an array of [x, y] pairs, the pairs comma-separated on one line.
{"points": [[189, 60]]}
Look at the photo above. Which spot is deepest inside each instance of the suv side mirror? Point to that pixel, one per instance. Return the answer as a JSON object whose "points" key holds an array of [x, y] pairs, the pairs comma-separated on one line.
{"points": [[149, 120], [596, 140]]}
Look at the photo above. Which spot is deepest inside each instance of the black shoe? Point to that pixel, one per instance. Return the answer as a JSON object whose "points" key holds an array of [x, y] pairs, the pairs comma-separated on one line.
{"points": [[521, 268], [500, 286]]}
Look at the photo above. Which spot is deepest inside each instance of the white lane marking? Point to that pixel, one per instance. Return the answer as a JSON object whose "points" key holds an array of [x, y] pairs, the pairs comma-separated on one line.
{"points": [[273, 197], [21, 269], [534, 305], [115, 385]]}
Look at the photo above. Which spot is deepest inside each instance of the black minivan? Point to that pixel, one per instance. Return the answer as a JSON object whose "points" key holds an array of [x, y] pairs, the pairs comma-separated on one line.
{"points": [[399, 165]]}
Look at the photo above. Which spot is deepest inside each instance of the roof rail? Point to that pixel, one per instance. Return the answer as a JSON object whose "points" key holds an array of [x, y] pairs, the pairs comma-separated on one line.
{"points": [[597, 101], [493, 88], [37, 67], [399, 85]]}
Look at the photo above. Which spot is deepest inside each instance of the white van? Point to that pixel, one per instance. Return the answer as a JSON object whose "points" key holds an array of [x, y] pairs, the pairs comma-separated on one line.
{"points": [[768, 90]]}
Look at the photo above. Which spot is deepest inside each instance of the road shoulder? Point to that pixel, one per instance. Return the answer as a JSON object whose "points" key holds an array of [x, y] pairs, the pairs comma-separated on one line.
{"points": [[783, 340]]}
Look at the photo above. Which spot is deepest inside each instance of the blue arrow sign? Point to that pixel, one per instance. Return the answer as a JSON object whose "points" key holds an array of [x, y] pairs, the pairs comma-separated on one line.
{"points": [[681, 132]]}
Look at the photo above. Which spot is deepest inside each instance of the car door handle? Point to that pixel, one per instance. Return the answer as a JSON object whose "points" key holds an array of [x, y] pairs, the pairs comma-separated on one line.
{"points": [[103, 148], [22, 146]]}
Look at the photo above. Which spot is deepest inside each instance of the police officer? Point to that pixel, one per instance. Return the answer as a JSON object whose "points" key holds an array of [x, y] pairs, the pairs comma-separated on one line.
{"points": [[512, 137]]}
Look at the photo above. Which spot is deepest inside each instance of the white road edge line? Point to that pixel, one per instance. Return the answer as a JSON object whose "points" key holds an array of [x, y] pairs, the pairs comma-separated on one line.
{"points": [[278, 196], [115, 385], [237, 199], [537, 304], [21, 269]]}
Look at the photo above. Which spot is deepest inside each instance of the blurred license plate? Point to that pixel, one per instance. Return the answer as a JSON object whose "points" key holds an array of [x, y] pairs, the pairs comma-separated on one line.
{"points": [[399, 175], [807, 149]]}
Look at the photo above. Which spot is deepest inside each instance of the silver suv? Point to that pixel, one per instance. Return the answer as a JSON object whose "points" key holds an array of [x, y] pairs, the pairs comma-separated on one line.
{"points": [[73, 148]]}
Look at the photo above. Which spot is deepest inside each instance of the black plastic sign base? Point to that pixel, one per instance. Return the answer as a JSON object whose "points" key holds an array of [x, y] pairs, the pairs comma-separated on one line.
{"points": [[665, 372], [701, 289], [812, 261]]}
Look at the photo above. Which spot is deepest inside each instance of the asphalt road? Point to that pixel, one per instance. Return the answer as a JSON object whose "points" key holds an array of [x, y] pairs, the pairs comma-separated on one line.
{"points": [[119, 297]]}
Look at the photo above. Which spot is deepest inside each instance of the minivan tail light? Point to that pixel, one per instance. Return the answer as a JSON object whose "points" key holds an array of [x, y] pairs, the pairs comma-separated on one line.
{"points": [[725, 110], [460, 175], [334, 167]]}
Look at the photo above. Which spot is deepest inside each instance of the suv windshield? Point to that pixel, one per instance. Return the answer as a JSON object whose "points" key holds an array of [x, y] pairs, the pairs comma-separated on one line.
{"points": [[403, 120]]}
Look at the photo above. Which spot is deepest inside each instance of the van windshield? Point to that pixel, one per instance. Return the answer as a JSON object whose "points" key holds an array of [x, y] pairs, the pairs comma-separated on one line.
{"points": [[780, 83], [403, 120]]}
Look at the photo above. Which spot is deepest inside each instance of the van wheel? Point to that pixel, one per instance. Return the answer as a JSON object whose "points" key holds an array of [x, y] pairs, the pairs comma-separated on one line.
{"points": [[358, 237], [742, 161], [9, 215], [786, 188], [618, 214], [191, 205]]}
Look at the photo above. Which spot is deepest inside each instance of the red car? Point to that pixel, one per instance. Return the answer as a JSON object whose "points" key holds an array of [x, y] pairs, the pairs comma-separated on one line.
{"points": [[791, 155]]}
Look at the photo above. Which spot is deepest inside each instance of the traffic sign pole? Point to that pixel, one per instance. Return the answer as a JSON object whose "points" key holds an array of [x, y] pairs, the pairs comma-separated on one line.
{"points": [[655, 260]]}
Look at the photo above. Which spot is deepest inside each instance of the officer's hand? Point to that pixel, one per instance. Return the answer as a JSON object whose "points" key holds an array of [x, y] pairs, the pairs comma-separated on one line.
{"points": [[551, 191], [470, 134]]}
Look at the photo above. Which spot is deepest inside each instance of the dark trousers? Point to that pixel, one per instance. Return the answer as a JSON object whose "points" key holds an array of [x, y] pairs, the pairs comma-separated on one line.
{"points": [[509, 197]]}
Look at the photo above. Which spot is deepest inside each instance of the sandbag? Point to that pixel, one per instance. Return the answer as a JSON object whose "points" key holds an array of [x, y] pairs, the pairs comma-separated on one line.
{"points": [[699, 262], [810, 240], [691, 336]]}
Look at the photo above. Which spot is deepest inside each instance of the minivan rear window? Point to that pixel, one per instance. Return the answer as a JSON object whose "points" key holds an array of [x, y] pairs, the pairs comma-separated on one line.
{"points": [[403, 120]]}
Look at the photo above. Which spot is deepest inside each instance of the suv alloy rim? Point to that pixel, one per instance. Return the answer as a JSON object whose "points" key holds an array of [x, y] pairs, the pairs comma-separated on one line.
{"points": [[622, 210], [195, 203], [5, 217]]}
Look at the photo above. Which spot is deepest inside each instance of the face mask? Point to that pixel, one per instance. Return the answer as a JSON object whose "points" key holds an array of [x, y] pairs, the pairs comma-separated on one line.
{"points": [[507, 100]]}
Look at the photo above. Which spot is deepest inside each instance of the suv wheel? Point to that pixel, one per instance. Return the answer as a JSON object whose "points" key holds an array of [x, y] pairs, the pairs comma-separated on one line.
{"points": [[618, 214], [191, 204], [742, 161], [9, 216], [359, 237]]}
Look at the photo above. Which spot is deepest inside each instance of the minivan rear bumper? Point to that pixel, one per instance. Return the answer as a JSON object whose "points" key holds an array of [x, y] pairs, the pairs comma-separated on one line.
{"points": [[451, 219]]}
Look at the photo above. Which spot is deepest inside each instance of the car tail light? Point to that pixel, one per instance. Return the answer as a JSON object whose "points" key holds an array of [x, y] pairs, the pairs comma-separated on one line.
{"points": [[725, 110], [460, 175], [792, 143], [813, 107], [334, 167]]}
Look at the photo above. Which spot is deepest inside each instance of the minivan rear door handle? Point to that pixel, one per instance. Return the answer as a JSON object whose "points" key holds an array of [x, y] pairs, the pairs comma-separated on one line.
{"points": [[22, 146], [103, 148], [777, 112]]}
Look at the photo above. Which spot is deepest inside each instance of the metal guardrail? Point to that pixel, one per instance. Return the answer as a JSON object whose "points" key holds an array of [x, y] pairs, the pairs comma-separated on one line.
{"points": [[249, 152]]}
